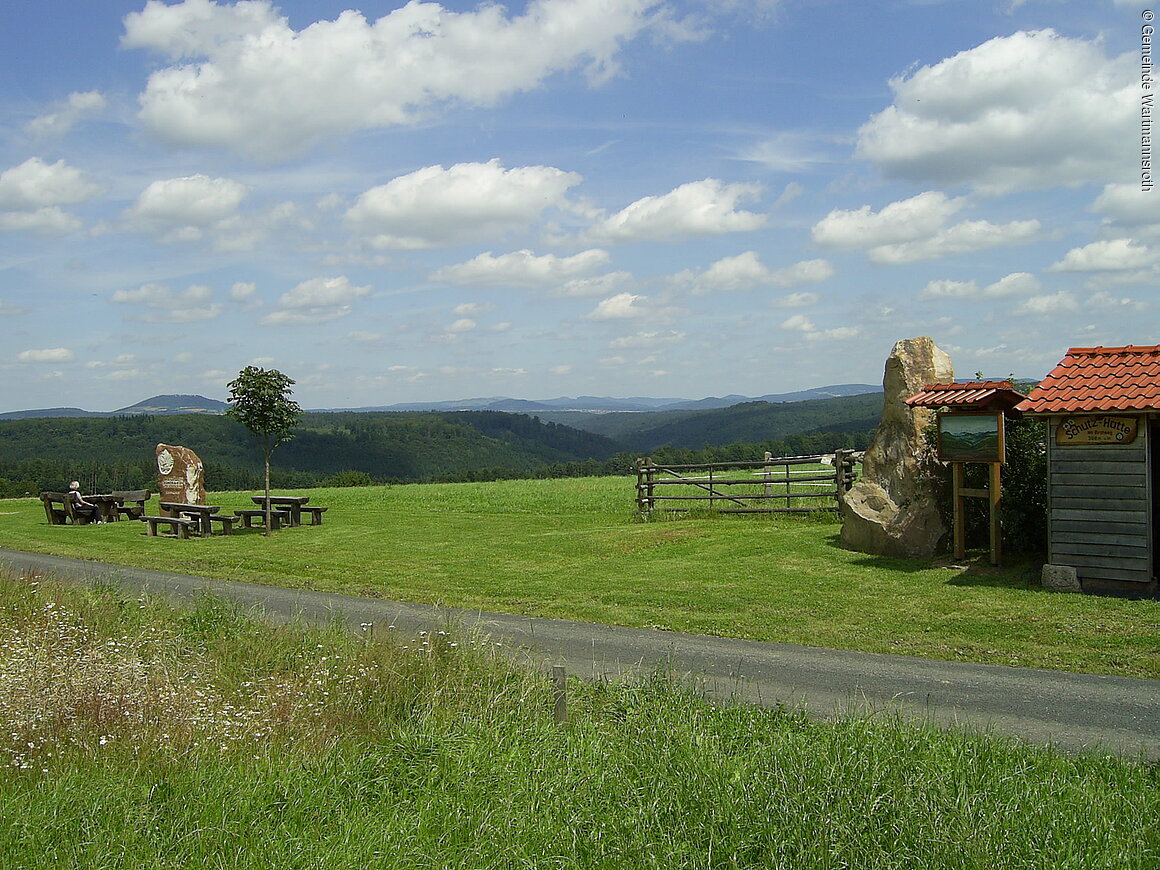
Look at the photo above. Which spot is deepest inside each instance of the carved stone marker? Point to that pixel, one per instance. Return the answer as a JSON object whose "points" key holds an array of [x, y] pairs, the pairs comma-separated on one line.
{"points": [[892, 510], [180, 475]]}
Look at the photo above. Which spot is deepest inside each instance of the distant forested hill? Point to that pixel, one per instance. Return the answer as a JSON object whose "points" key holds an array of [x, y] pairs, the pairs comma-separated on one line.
{"points": [[749, 422], [117, 453], [350, 448]]}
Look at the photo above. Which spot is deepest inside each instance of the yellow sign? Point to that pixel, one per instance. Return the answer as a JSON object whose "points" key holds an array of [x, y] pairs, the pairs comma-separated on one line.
{"points": [[1096, 430]]}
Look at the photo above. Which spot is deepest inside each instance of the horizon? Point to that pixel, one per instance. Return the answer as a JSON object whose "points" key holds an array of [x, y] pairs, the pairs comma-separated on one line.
{"points": [[123, 406], [564, 197]]}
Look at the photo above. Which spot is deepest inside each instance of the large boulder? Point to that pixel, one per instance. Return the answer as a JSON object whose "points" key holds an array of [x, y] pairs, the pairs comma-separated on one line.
{"points": [[892, 510], [180, 475]]}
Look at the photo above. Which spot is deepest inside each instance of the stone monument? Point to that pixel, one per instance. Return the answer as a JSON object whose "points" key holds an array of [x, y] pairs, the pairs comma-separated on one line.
{"points": [[180, 476], [892, 510]]}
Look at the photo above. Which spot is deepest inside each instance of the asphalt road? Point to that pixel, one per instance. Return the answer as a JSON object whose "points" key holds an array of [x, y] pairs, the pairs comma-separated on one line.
{"points": [[1119, 715]]}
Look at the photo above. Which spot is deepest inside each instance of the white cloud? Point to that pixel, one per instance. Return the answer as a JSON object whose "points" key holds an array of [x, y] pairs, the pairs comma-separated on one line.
{"points": [[647, 340], [1127, 205], [46, 355], [598, 285], [903, 221], [80, 105], [156, 303], [1015, 284], [251, 82], [1110, 255], [434, 205], [183, 208], [1034, 109], [35, 183], [699, 208], [1054, 303], [521, 268], [796, 300], [961, 238], [316, 301], [745, 271], [798, 323], [622, 306], [804, 325], [50, 221]]}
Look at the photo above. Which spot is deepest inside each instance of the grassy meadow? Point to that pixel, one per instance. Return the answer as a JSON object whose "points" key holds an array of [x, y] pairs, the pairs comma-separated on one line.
{"points": [[573, 549], [136, 735]]}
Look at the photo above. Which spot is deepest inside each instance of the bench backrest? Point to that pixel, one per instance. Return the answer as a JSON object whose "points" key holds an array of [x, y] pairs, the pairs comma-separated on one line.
{"points": [[56, 515], [139, 495]]}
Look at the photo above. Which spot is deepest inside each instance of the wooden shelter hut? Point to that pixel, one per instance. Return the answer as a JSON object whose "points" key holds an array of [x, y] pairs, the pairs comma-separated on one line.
{"points": [[1102, 406]]}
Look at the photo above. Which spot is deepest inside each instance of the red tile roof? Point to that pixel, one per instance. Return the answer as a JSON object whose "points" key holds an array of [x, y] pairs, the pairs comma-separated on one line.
{"points": [[997, 395], [1100, 379]]}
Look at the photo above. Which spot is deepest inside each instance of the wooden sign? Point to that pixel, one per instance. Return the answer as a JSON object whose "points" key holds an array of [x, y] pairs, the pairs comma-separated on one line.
{"points": [[1096, 430]]}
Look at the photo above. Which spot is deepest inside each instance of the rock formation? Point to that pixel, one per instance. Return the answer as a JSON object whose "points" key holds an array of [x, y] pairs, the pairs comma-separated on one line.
{"points": [[180, 476], [892, 509]]}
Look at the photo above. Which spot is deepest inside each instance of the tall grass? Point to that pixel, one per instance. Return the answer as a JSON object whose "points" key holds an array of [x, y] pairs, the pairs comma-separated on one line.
{"points": [[141, 736]]}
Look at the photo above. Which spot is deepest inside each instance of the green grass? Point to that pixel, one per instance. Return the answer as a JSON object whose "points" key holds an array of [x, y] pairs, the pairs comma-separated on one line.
{"points": [[573, 549], [135, 735]]}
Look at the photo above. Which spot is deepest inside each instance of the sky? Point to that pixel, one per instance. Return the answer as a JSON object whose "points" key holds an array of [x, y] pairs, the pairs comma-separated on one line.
{"points": [[667, 198]]}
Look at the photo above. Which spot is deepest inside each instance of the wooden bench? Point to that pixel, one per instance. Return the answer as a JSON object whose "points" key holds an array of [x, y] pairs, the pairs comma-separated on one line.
{"points": [[66, 513], [57, 516], [276, 518], [132, 502], [179, 525], [227, 522], [315, 514]]}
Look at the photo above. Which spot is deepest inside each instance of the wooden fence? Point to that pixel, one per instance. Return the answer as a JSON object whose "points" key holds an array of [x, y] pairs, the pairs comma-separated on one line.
{"points": [[783, 484]]}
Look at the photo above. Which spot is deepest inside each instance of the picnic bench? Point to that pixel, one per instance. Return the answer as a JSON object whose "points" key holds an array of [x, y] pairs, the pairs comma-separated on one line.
{"points": [[290, 504], [315, 514], [203, 515], [60, 510], [277, 518], [131, 502], [179, 525]]}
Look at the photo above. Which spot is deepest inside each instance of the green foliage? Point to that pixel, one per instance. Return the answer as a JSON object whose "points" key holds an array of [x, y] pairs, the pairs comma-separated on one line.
{"points": [[749, 422], [340, 448], [260, 401]]}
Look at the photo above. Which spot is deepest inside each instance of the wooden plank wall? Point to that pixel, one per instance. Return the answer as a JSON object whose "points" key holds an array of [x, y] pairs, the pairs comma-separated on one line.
{"points": [[1099, 519]]}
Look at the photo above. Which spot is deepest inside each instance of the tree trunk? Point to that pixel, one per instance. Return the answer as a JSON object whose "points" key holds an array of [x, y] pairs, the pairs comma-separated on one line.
{"points": [[266, 530]]}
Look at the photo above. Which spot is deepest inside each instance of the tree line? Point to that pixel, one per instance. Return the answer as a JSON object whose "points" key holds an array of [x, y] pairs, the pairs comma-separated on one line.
{"points": [[342, 449]]}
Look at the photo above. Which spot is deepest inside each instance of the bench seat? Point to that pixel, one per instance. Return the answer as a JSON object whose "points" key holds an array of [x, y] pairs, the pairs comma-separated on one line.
{"points": [[179, 525], [276, 518], [315, 514], [226, 521]]}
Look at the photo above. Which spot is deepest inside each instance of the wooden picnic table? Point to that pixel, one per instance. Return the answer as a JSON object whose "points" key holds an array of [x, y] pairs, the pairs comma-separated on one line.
{"points": [[292, 504], [108, 506], [199, 512]]}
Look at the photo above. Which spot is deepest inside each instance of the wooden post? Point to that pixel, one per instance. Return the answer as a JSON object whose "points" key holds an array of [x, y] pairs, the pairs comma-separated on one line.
{"points": [[960, 504], [993, 494], [560, 694], [996, 495]]}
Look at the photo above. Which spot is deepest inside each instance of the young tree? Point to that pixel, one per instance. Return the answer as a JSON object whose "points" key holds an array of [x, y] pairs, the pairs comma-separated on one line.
{"points": [[260, 401]]}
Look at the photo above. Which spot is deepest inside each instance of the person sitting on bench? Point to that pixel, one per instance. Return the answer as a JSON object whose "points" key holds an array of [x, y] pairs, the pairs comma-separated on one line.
{"points": [[80, 506]]}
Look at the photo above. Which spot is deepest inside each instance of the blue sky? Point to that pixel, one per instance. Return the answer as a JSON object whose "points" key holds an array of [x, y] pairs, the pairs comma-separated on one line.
{"points": [[568, 197]]}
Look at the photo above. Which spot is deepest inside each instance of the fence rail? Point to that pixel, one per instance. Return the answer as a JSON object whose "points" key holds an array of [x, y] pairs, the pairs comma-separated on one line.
{"points": [[728, 489]]}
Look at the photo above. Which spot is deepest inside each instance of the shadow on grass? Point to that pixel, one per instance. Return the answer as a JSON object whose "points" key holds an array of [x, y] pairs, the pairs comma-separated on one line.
{"points": [[975, 569]]}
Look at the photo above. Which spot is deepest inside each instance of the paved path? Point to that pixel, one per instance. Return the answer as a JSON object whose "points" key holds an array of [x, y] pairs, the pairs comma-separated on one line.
{"points": [[1072, 711]]}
